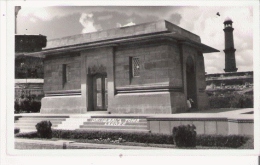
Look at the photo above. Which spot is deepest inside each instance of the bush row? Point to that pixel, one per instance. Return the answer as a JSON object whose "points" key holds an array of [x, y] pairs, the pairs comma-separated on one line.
{"points": [[27, 106], [232, 101], [138, 137], [232, 141]]}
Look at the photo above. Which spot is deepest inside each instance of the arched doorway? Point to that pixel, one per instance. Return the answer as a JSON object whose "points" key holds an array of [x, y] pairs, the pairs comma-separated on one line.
{"points": [[191, 81]]}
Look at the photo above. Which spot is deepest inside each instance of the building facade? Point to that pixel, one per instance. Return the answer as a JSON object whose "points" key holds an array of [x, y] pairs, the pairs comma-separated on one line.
{"points": [[150, 68]]}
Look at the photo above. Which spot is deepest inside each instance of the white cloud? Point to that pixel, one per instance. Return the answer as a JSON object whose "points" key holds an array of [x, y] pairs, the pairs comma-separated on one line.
{"points": [[205, 23], [118, 25], [36, 12], [32, 19], [87, 23], [129, 24]]}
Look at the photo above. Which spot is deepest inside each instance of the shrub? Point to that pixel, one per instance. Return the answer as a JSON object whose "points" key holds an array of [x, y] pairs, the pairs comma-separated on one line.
{"points": [[184, 136], [232, 141], [242, 101], [29, 135], [27, 105], [16, 130], [219, 101], [44, 129], [231, 101]]}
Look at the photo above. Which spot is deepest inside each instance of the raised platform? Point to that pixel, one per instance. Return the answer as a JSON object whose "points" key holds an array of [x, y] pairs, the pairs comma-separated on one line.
{"points": [[238, 122]]}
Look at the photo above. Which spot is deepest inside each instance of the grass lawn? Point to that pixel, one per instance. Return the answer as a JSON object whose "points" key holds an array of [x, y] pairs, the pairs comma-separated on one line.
{"points": [[248, 145]]}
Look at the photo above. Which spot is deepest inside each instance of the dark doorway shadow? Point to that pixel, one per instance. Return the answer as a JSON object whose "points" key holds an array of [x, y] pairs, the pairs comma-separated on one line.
{"points": [[191, 82]]}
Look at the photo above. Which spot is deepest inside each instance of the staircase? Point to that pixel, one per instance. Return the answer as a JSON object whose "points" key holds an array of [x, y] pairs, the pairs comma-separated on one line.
{"points": [[27, 123], [85, 122], [110, 123], [72, 123]]}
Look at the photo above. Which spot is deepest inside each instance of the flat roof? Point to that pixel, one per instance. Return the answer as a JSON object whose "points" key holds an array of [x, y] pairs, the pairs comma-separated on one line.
{"points": [[128, 31], [113, 37]]}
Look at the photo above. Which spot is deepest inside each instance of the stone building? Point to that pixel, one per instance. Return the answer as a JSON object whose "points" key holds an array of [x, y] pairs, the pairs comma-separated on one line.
{"points": [[150, 68]]}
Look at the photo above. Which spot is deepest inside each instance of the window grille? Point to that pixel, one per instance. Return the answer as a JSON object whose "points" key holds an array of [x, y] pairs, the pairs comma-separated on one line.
{"points": [[135, 67]]}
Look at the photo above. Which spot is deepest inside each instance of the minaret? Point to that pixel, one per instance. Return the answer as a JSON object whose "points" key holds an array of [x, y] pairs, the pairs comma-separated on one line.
{"points": [[230, 60]]}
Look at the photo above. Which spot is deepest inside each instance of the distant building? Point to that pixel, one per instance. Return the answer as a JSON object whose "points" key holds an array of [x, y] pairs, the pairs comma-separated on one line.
{"points": [[241, 82], [231, 81], [28, 70]]}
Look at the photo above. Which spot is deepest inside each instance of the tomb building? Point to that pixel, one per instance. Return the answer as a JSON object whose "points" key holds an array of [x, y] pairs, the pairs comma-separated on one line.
{"points": [[150, 68]]}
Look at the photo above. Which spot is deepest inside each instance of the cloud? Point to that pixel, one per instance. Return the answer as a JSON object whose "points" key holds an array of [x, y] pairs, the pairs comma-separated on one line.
{"points": [[32, 19], [204, 22], [36, 13], [175, 18], [129, 24], [106, 17], [87, 22]]}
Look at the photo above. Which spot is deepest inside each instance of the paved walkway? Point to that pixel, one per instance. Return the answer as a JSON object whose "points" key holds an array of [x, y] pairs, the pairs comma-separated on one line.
{"points": [[21, 143]]}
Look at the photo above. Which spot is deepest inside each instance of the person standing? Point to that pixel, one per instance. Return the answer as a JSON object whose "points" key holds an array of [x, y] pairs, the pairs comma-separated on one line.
{"points": [[189, 103]]}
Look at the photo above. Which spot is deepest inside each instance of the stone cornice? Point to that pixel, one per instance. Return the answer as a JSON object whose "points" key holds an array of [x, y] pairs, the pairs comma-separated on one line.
{"points": [[63, 93], [154, 37], [143, 89]]}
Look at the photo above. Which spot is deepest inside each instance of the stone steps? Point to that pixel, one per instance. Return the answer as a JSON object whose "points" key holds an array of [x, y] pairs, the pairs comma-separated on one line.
{"points": [[126, 124], [27, 123], [32, 124], [72, 123], [116, 130], [40, 119], [107, 123], [114, 127], [85, 122], [34, 121]]}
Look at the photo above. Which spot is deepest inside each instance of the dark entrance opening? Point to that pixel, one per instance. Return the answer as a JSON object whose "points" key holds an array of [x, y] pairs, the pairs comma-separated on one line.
{"points": [[97, 92], [191, 81], [100, 92]]}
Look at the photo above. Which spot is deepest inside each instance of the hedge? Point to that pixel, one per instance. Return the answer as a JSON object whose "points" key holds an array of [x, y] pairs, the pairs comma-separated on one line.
{"points": [[138, 137], [231, 101], [232, 141], [27, 106]]}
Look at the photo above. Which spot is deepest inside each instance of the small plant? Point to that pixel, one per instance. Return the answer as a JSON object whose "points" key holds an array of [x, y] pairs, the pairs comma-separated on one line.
{"points": [[184, 136], [44, 129], [16, 130]]}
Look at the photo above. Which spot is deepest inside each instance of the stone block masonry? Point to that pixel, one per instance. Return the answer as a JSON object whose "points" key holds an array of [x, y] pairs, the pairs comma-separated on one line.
{"points": [[140, 69]]}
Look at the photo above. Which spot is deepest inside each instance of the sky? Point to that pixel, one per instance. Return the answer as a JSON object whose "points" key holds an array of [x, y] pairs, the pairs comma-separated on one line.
{"points": [[61, 21]]}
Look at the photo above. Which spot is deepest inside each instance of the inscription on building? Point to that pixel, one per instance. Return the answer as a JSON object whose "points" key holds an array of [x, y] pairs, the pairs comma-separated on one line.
{"points": [[114, 122]]}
